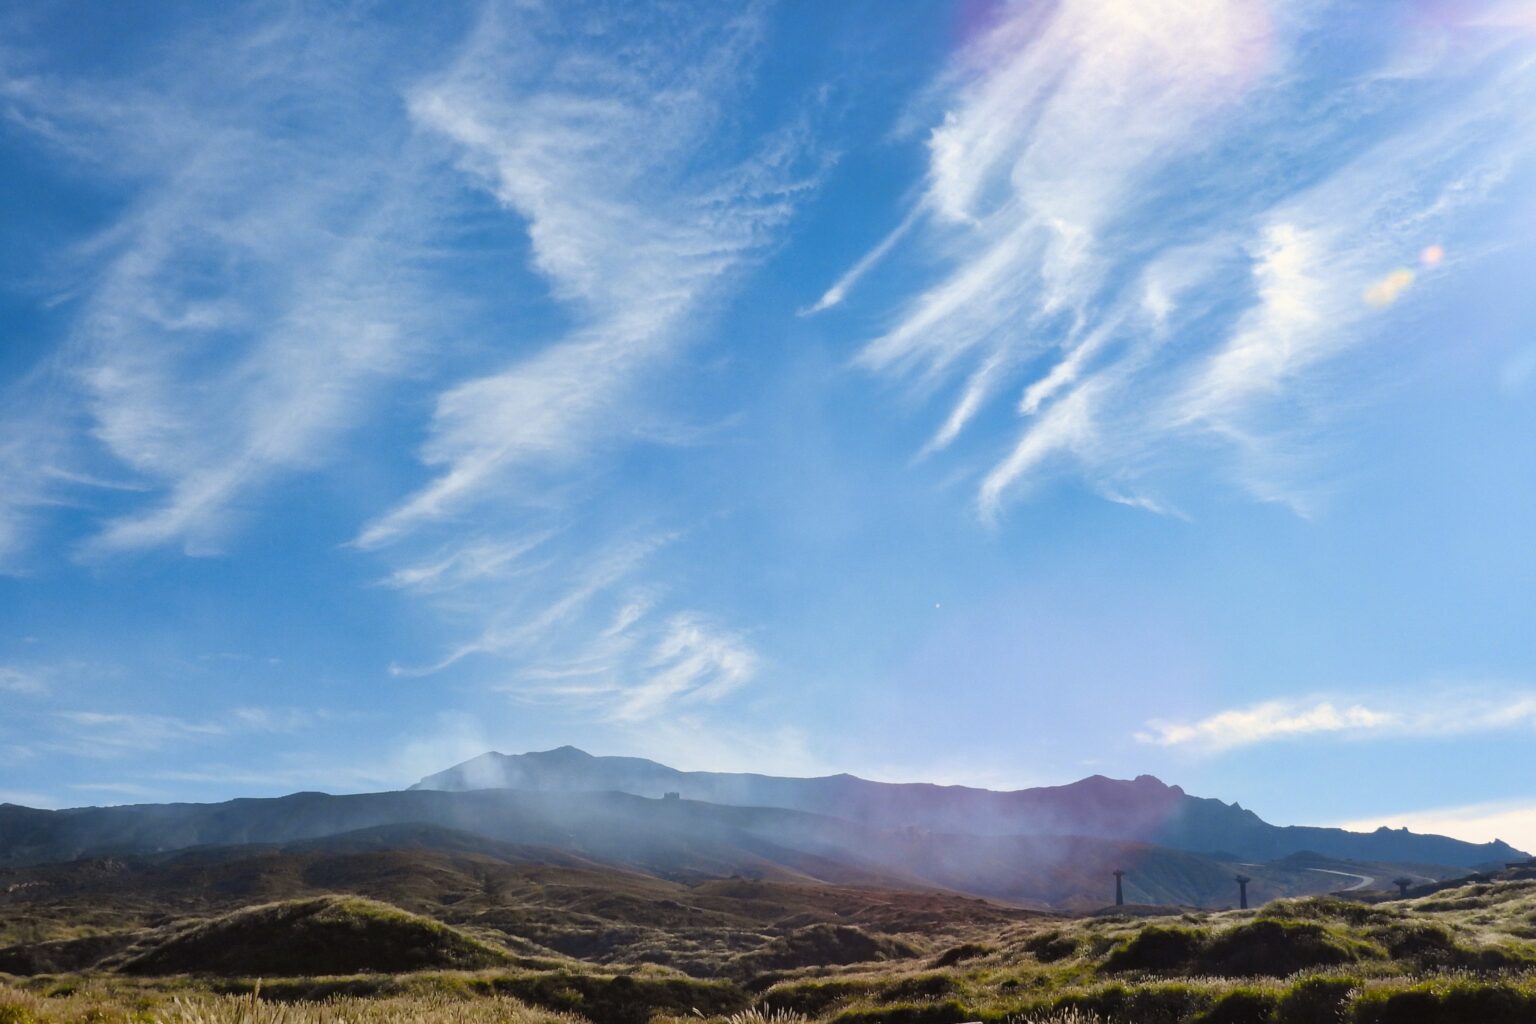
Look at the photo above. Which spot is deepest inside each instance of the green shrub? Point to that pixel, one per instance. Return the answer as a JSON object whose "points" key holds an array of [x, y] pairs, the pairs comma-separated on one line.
{"points": [[1141, 1004], [919, 986], [1164, 1004], [1275, 948], [1316, 1001], [813, 997], [1431, 947], [1242, 1006], [1323, 908], [1049, 947], [1496, 958], [1425, 945], [820, 945], [624, 999], [965, 951], [912, 1013], [1157, 948], [1459, 1003]]}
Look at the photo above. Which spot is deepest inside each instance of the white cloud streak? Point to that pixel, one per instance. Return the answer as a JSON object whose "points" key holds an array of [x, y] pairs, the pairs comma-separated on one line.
{"points": [[693, 661], [524, 625], [613, 149], [242, 314], [470, 563], [603, 641], [633, 223], [1156, 305], [839, 291], [109, 734], [20, 680], [1439, 715]]}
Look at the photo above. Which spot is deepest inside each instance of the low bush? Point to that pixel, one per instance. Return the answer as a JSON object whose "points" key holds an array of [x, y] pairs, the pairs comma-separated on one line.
{"points": [[965, 951], [821, 945], [1316, 1001], [1140, 1004], [1463, 1002], [813, 997], [1242, 1006], [918, 986], [1274, 948], [911, 1013], [1157, 948], [1049, 947], [624, 998]]}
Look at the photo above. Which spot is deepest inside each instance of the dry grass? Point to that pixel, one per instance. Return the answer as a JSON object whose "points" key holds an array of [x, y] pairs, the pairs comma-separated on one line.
{"points": [[1461, 955], [97, 1006], [757, 1015]]}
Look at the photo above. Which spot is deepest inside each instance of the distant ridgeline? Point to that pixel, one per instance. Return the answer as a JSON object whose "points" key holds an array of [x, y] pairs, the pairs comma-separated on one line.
{"points": [[1054, 847], [1140, 810]]}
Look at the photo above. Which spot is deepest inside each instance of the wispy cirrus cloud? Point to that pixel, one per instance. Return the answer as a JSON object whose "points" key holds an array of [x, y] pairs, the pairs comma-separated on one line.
{"points": [[466, 563], [614, 150], [243, 311], [14, 679], [109, 734], [604, 639], [693, 661], [540, 614], [636, 222], [31, 438], [118, 789], [1451, 713], [1127, 252]]}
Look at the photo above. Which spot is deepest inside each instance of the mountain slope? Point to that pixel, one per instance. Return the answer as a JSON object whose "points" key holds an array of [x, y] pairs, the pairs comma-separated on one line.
{"points": [[1140, 810], [680, 839]]}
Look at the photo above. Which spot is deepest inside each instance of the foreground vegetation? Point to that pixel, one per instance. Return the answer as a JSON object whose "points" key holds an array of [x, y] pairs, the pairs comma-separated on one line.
{"points": [[1464, 955]]}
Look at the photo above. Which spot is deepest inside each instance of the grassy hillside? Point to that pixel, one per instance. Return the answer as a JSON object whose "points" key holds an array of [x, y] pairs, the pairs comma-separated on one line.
{"points": [[1456, 956], [594, 913], [1465, 955], [326, 935]]}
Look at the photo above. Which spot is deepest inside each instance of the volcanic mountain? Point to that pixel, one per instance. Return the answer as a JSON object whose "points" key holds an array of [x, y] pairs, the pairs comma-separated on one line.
{"points": [[1142, 810], [1052, 847]]}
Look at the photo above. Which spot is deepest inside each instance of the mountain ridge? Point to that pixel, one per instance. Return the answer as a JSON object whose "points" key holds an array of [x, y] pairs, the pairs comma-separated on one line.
{"points": [[1050, 846], [681, 840], [1143, 809]]}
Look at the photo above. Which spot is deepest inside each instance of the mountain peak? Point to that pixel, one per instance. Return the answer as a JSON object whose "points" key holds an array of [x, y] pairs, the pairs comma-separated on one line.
{"points": [[563, 753], [1142, 809]]}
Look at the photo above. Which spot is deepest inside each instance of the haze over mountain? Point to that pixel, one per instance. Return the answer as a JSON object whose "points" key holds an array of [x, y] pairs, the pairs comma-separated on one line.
{"points": [[1140, 810], [1054, 846]]}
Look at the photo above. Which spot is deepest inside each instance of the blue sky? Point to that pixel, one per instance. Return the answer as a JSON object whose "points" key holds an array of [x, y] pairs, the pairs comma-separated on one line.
{"points": [[979, 392]]}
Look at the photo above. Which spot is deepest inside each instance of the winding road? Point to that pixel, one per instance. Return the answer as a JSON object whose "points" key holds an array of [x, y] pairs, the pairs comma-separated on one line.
{"points": [[1364, 880]]}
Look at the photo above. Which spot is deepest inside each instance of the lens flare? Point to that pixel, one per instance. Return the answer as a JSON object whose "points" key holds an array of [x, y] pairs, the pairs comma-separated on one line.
{"points": [[1432, 255], [1389, 289]]}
